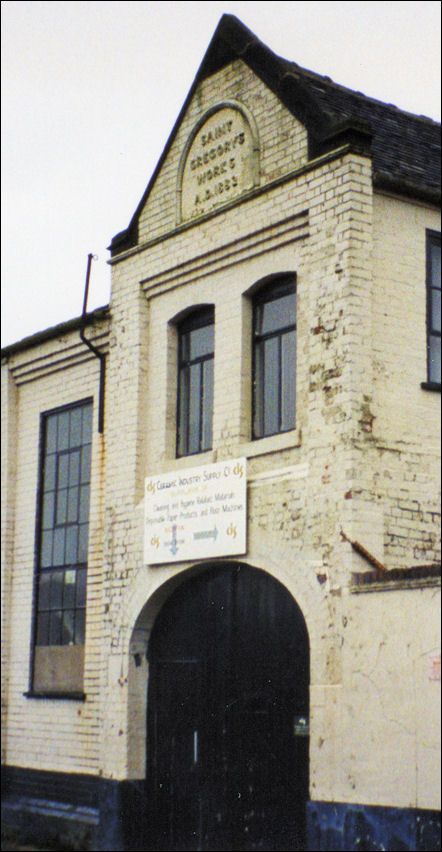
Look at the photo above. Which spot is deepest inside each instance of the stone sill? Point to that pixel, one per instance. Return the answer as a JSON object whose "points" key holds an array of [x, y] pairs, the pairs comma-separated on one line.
{"points": [[272, 444]]}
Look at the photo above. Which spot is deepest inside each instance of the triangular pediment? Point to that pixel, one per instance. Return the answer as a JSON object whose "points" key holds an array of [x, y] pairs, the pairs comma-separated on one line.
{"points": [[404, 148]]}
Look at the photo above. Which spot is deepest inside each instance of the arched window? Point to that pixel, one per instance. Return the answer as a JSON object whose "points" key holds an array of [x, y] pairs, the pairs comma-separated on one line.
{"points": [[274, 357], [195, 382]]}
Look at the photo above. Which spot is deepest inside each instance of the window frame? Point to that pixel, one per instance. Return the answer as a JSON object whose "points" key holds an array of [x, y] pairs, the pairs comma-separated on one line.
{"points": [[73, 652], [433, 238], [272, 289], [199, 318]]}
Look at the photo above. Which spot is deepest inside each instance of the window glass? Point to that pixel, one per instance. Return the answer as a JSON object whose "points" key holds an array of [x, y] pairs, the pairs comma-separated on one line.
{"points": [[195, 383], [274, 358], [64, 527], [434, 307]]}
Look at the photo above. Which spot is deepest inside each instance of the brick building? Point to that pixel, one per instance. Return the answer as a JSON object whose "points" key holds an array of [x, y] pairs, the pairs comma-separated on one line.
{"points": [[220, 532]]}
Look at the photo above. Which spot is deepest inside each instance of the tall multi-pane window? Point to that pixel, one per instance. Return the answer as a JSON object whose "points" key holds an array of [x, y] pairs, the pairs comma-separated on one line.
{"points": [[64, 526], [274, 357], [195, 382], [434, 308]]}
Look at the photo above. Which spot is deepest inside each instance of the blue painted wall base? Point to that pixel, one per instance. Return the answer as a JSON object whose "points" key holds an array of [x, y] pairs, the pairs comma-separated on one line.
{"points": [[340, 827]]}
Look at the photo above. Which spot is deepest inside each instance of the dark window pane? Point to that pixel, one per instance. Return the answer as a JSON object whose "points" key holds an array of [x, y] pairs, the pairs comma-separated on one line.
{"points": [[277, 314], [49, 473], [82, 542], [55, 620], [47, 521], [75, 430], [201, 341], [85, 464], [56, 596], [288, 380], [51, 434], [71, 545], [271, 386], [67, 632], [59, 542], [81, 587], [207, 407], [74, 468], [42, 637], [72, 516], [435, 266], [86, 435], [63, 431], [83, 515], [435, 359], [435, 310], [44, 587], [46, 550], [63, 471], [80, 617], [194, 409], [62, 502], [183, 411], [69, 589]]}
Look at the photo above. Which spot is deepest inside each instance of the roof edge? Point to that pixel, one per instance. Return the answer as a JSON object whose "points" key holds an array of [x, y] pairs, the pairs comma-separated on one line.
{"points": [[54, 331]]}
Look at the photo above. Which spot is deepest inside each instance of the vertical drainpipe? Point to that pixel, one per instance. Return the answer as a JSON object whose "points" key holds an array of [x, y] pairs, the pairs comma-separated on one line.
{"points": [[94, 349]]}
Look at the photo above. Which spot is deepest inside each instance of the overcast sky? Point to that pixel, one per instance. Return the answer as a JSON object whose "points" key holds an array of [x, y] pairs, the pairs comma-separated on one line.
{"points": [[91, 91]]}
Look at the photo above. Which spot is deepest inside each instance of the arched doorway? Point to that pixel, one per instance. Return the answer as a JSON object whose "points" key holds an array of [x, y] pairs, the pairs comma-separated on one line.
{"points": [[227, 738]]}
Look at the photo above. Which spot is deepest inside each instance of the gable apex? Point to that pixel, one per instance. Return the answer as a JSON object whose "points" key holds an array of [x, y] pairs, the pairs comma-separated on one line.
{"points": [[405, 148]]}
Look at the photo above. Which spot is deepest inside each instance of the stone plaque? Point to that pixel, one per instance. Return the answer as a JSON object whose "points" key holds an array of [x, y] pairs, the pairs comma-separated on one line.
{"points": [[196, 513], [220, 161]]}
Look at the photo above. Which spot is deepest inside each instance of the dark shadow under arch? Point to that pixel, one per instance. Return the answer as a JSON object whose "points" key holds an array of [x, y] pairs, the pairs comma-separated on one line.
{"points": [[227, 744]]}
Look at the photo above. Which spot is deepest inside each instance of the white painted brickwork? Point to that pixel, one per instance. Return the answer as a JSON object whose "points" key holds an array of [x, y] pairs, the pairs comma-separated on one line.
{"points": [[363, 460]]}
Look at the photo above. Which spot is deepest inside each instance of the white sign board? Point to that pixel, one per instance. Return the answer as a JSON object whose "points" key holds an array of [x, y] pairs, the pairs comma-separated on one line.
{"points": [[196, 513]]}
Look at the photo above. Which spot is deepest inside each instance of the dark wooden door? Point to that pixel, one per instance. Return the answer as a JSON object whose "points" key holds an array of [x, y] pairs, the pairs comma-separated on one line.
{"points": [[227, 754]]}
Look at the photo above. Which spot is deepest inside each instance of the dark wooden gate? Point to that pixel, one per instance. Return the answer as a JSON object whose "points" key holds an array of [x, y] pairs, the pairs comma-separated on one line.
{"points": [[227, 754]]}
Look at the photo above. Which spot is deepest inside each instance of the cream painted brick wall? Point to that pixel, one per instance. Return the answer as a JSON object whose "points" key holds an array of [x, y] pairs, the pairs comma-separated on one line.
{"points": [[362, 458], [49, 734]]}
